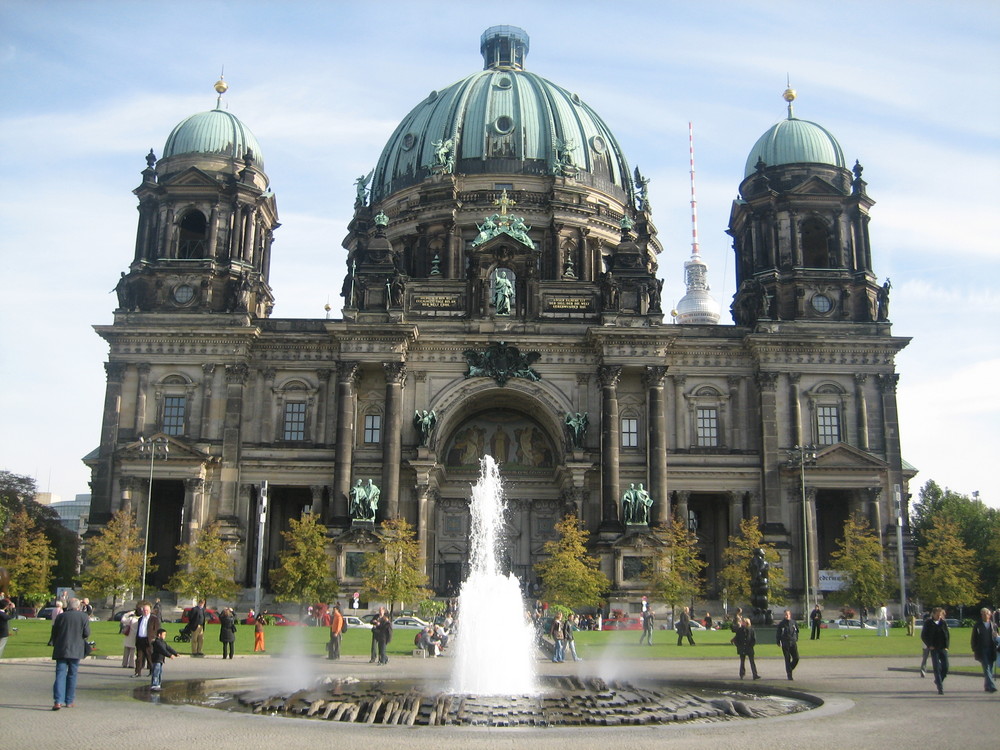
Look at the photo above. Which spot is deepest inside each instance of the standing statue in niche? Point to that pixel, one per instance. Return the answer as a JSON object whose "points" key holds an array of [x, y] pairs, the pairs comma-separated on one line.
{"points": [[641, 505], [760, 586], [503, 293], [629, 500], [425, 421], [577, 425], [364, 501]]}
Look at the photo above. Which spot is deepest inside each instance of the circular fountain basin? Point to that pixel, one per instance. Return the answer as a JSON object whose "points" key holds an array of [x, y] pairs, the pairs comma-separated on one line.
{"points": [[560, 701]]}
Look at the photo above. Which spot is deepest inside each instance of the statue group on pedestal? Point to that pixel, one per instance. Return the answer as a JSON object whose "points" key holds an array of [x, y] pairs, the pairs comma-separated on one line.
{"points": [[364, 501], [636, 503], [760, 587]]}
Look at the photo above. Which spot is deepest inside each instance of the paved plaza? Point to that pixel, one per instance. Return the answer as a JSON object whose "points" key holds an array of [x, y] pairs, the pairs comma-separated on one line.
{"points": [[875, 701]]}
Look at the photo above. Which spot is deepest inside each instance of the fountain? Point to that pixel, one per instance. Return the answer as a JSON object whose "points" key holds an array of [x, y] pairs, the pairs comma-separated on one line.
{"points": [[493, 681], [495, 644]]}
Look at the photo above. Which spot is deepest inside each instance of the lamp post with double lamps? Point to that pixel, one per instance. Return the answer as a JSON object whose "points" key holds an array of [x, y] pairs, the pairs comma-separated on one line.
{"points": [[151, 446], [799, 456]]}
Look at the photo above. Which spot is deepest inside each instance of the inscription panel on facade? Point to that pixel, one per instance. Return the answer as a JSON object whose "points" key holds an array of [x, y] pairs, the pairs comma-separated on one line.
{"points": [[437, 303], [568, 305]]}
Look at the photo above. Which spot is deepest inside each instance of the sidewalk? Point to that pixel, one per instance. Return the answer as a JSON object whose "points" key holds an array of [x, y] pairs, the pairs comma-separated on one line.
{"points": [[865, 700]]}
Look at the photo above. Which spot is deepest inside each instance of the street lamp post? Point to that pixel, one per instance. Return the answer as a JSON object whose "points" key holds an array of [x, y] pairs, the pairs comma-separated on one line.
{"points": [[801, 455], [151, 445]]}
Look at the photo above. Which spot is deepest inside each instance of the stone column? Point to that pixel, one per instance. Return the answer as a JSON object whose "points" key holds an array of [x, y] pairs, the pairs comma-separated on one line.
{"points": [[207, 381], [236, 378], [681, 439], [737, 420], [681, 513], [348, 373], [194, 509], [873, 511], [735, 511], [126, 485], [657, 444], [795, 410], [322, 405], [771, 460], [103, 476], [890, 420], [810, 530], [610, 445], [141, 393], [392, 443], [317, 500], [859, 389], [267, 433]]}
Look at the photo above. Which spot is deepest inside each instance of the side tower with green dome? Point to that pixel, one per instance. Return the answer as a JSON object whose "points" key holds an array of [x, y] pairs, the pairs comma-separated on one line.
{"points": [[206, 222], [800, 231]]}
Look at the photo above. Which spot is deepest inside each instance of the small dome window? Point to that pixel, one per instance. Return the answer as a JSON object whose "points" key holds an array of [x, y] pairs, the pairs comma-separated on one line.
{"points": [[409, 141], [598, 144], [432, 97], [503, 82], [577, 99], [504, 124]]}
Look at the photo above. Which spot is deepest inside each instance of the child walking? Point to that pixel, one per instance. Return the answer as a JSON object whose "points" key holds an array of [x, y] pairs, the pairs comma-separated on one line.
{"points": [[161, 652]]}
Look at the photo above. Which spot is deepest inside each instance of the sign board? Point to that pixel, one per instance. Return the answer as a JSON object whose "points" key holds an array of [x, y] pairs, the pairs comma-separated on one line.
{"points": [[832, 580]]}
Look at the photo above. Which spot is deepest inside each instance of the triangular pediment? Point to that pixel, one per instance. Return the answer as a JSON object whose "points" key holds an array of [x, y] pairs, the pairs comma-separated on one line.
{"points": [[191, 177], [637, 538], [177, 449], [503, 246], [815, 186], [844, 456]]}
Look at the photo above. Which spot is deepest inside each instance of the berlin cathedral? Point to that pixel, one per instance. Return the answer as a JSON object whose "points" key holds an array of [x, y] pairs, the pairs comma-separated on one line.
{"points": [[501, 296]]}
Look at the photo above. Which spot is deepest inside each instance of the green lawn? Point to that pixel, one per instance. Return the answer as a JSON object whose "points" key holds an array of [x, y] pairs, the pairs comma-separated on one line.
{"points": [[33, 635]]}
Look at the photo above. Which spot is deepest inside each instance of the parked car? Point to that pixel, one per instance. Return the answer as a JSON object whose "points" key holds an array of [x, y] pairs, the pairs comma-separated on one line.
{"points": [[951, 622], [351, 621], [409, 623], [24, 613], [623, 623], [211, 616], [848, 624], [45, 613]]}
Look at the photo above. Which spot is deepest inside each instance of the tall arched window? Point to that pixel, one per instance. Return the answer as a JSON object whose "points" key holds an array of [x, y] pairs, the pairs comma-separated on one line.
{"points": [[193, 240], [815, 243]]}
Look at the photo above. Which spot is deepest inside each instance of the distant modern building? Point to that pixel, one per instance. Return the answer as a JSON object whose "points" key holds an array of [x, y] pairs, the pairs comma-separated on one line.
{"points": [[72, 513], [502, 295]]}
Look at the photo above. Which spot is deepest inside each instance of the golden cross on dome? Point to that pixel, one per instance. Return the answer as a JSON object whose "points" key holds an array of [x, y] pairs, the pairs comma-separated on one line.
{"points": [[504, 202]]}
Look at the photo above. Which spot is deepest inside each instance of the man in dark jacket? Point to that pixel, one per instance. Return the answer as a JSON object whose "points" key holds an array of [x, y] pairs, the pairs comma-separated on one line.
{"points": [[69, 631], [684, 627], [787, 636], [196, 624], [984, 647], [381, 634], [146, 629], [937, 639]]}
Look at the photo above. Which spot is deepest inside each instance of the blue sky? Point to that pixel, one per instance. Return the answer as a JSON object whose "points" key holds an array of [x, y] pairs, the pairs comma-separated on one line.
{"points": [[909, 88]]}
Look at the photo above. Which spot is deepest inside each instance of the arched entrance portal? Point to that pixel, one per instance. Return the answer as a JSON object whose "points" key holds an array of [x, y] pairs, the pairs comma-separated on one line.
{"points": [[529, 456]]}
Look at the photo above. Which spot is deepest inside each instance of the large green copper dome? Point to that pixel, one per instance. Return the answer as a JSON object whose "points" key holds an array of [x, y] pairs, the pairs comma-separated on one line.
{"points": [[794, 141], [216, 132], [502, 120]]}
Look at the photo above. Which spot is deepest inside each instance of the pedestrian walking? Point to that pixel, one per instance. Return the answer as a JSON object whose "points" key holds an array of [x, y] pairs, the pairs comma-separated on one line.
{"points": [[787, 636], [647, 627], [684, 627], [70, 630], [129, 628], [984, 647], [336, 632], [196, 624], [258, 632], [745, 639], [937, 639], [558, 634]]}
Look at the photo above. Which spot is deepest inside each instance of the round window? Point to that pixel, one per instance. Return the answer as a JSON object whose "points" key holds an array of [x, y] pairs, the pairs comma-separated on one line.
{"points": [[821, 303], [409, 140], [503, 82], [183, 294], [504, 124], [432, 96], [598, 144]]}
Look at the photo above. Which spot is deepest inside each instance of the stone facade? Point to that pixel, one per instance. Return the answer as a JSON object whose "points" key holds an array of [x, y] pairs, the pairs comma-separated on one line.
{"points": [[703, 416]]}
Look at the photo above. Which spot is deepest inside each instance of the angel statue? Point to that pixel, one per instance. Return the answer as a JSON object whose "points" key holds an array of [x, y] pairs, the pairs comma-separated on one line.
{"points": [[362, 186]]}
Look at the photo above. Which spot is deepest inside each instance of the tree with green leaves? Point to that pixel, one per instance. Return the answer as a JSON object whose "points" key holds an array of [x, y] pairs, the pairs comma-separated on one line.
{"points": [[674, 570], [28, 557], [394, 573], [735, 574], [113, 560], [978, 528], [946, 573], [305, 574], [569, 575], [205, 569], [859, 555], [18, 492]]}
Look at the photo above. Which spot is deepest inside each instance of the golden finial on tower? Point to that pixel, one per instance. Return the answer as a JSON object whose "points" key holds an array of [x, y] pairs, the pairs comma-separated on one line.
{"points": [[221, 87], [789, 95]]}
